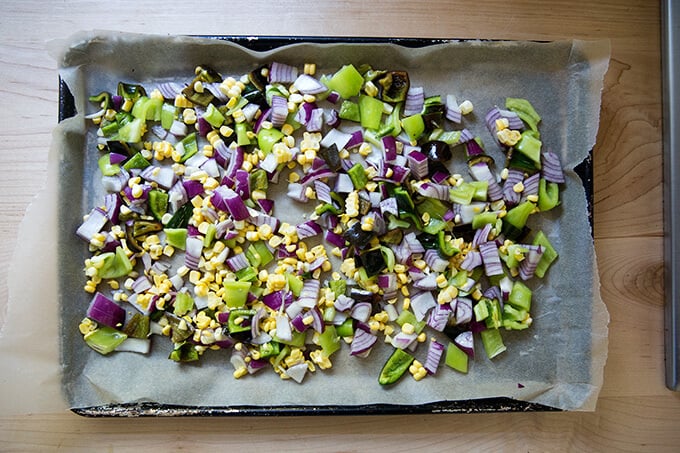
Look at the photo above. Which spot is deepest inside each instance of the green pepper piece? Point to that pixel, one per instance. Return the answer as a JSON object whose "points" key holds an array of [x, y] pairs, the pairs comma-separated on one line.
{"points": [[183, 303], [434, 226], [493, 321], [516, 218], [329, 314], [446, 247], [147, 108], [241, 326], [131, 132], [236, 293], [258, 179], [407, 316], [493, 342], [338, 287], [346, 329], [524, 110], [115, 264], [136, 161], [103, 99], [395, 367], [130, 91], [104, 339], [142, 227], [520, 296], [267, 138], [187, 147], [110, 129], [181, 217], [414, 126], [549, 254], [106, 167], [548, 195], [481, 310], [158, 203], [396, 224], [168, 115], [349, 111], [242, 138], [184, 352], [203, 99], [295, 284], [297, 340], [483, 218], [247, 274], [514, 255], [326, 207], [176, 237], [329, 340], [462, 194], [137, 327], [456, 358], [213, 116], [269, 349], [370, 112], [530, 147], [347, 81], [283, 352], [358, 176]]}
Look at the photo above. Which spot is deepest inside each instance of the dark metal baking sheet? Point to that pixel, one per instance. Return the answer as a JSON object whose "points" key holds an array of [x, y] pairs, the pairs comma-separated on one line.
{"points": [[263, 43]]}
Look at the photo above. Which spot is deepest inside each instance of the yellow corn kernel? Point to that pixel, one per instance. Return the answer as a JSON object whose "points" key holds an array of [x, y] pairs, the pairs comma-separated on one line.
{"points": [[408, 328], [518, 188], [406, 303], [309, 68], [240, 372]]}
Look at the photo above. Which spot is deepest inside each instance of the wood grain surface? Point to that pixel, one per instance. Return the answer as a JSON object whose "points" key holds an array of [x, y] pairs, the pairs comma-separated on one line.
{"points": [[635, 411]]}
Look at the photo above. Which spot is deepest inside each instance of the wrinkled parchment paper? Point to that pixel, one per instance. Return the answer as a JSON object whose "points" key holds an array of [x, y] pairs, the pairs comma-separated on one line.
{"points": [[558, 362]]}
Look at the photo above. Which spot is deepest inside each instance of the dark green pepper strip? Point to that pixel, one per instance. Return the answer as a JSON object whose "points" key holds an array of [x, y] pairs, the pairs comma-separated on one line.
{"points": [[184, 352], [158, 203], [130, 91], [395, 367], [269, 349], [181, 217], [137, 326], [102, 99], [446, 247], [234, 315]]}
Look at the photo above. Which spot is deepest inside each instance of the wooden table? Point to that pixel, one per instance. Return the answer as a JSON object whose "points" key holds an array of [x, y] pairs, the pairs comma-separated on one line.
{"points": [[635, 411]]}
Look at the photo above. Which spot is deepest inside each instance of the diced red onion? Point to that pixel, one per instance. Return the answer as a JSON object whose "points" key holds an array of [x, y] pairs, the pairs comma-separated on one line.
{"points": [[439, 317], [436, 262], [222, 152], [169, 90], [276, 299], [105, 311], [389, 148], [225, 199], [453, 112], [141, 284], [214, 89], [426, 282], [309, 295], [333, 97], [163, 176], [528, 265], [551, 168], [194, 249], [297, 372], [361, 311], [415, 99], [413, 243], [491, 258], [237, 262], [250, 111], [203, 126], [421, 303], [481, 235], [417, 162], [389, 206], [514, 176], [331, 117], [94, 223], [282, 73], [465, 341], [463, 310], [279, 110], [336, 137], [307, 84], [362, 342], [242, 187], [343, 183], [343, 303], [481, 172], [531, 185], [315, 122], [283, 328], [434, 356], [179, 129], [308, 229], [403, 340]]}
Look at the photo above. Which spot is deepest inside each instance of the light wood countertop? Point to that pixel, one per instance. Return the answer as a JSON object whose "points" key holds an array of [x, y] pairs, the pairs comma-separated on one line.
{"points": [[635, 411]]}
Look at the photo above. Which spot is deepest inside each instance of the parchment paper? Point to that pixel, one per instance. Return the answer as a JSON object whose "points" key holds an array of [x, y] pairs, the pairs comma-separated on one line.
{"points": [[558, 362]]}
